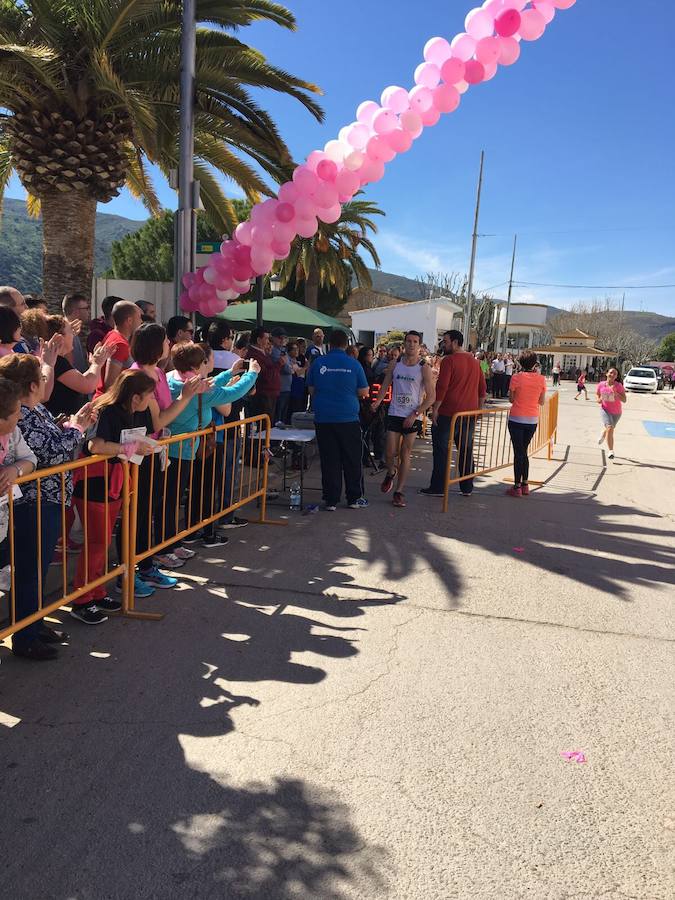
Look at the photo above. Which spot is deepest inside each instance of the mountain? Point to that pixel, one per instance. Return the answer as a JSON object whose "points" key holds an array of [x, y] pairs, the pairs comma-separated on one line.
{"points": [[21, 244]]}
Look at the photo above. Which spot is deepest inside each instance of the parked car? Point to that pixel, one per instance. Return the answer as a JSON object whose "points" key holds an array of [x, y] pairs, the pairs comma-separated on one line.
{"points": [[660, 381], [641, 379]]}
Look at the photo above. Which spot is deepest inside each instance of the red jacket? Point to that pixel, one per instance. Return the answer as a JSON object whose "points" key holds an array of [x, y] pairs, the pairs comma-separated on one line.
{"points": [[269, 380], [461, 384]]}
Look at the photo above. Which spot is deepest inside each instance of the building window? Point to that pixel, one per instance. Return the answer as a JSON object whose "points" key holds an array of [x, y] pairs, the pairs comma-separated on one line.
{"points": [[569, 362], [518, 340]]}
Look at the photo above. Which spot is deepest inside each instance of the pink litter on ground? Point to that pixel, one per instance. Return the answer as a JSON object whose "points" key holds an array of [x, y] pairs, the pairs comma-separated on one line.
{"points": [[519, 549], [574, 756]]}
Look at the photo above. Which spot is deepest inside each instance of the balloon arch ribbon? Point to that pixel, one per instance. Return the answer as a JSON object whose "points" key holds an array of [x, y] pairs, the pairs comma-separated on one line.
{"points": [[332, 176]]}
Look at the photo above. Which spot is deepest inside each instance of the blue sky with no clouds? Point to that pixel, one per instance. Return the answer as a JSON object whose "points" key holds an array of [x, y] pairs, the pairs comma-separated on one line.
{"points": [[579, 138]]}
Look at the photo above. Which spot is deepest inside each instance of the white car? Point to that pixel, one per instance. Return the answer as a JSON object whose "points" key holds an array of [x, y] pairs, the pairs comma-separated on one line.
{"points": [[639, 379]]}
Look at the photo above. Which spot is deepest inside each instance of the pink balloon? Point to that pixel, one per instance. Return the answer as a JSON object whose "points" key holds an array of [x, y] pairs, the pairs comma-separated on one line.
{"points": [[412, 122], [288, 192], [427, 74], [510, 51], [199, 278], [280, 250], [494, 7], [260, 235], [452, 70], [421, 98], [490, 71], [313, 160], [185, 301], [475, 72], [563, 4], [376, 148], [488, 50], [358, 135], [329, 216], [463, 47], [396, 99], [187, 279], [400, 141], [532, 25], [306, 181], [366, 112], [446, 98], [436, 51], [283, 232], [384, 121], [241, 287], [479, 23], [348, 182], [507, 23], [373, 170], [546, 8], [354, 161], [262, 260], [285, 211], [211, 275], [462, 86], [305, 207], [242, 273], [242, 254], [430, 117], [327, 170], [194, 292], [336, 151], [327, 195], [243, 233], [307, 227], [224, 296]]}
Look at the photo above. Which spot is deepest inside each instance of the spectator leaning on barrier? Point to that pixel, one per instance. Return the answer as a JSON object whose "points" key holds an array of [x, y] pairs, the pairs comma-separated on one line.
{"points": [[460, 388], [77, 310], [337, 383], [98, 328], [268, 387], [52, 445], [127, 319]]}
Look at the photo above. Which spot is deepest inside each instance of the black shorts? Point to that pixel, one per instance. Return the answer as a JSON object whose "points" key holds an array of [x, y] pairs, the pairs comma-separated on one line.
{"points": [[395, 424]]}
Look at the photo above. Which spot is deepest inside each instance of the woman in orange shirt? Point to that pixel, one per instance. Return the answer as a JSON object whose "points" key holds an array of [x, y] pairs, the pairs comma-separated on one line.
{"points": [[527, 392]]}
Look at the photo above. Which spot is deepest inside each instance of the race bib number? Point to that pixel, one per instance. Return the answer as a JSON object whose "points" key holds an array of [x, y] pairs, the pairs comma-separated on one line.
{"points": [[403, 400]]}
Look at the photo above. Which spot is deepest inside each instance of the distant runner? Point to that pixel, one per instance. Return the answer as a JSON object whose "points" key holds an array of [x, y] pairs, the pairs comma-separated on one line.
{"points": [[581, 386], [412, 394], [610, 396]]}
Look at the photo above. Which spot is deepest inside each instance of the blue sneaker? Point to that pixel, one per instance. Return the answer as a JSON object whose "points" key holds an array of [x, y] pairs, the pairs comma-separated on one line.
{"points": [[361, 503], [154, 577], [141, 589]]}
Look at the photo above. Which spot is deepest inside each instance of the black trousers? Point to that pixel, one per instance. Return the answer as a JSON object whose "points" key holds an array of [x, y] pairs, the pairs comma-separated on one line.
{"points": [[340, 454], [521, 435]]}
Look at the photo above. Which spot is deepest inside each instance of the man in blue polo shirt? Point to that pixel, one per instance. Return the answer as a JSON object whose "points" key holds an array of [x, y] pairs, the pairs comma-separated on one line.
{"points": [[336, 382]]}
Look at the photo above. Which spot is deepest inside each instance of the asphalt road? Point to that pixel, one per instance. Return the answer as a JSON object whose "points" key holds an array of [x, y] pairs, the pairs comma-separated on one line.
{"points": [[373, 704]]}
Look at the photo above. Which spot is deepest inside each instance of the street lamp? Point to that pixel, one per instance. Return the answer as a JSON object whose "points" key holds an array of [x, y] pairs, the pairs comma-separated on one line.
{"points": [[275, 284]]}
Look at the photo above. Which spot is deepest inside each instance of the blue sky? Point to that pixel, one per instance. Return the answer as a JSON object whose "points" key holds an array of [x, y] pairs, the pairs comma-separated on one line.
{"points": [[579, 138]]}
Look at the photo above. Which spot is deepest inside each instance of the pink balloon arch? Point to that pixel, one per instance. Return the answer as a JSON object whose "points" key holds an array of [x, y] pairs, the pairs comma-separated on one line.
{"points": [[332, 176]]}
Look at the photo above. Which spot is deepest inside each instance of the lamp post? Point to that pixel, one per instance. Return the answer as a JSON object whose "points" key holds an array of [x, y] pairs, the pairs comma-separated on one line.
{"points": [[259, 297], [275, 284], [185, 229]]}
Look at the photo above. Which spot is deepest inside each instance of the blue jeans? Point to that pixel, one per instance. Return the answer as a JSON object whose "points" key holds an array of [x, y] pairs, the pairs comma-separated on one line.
{"points": [[26, 561], [463, 438]]}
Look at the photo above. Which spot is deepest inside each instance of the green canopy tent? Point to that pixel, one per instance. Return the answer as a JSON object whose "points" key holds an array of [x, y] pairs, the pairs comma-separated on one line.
{"points": [[298, 320]]}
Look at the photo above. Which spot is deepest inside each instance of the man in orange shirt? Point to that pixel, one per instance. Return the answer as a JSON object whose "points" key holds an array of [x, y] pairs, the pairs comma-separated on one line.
{"points": [[460, 388], [127, 319]]}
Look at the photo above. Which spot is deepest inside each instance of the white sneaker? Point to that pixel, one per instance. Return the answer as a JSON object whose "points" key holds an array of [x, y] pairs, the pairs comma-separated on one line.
{"points": [[183, 553], [610, 455], [168, 561]]}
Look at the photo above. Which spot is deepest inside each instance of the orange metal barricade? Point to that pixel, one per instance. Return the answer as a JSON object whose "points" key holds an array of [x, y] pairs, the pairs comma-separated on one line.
{"points": [[483, 435], [66, 594], [204, 477]]}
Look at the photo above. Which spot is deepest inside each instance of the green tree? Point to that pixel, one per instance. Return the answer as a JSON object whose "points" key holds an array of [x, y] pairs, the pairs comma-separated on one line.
{"points": [[666, 351], [147, 254], [331, 259], [90, 92]]}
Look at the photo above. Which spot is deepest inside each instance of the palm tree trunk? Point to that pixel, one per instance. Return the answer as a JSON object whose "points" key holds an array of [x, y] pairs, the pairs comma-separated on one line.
{"points": [[312, 287], [68, 233]]}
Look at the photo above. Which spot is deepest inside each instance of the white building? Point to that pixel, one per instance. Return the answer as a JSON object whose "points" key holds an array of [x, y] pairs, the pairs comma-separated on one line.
{"points": [[526, 323], [574, 351], [430, 317]]}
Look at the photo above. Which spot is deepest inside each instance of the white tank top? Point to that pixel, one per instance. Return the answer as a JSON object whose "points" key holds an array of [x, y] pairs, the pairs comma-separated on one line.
{"points": [[407, 388]]}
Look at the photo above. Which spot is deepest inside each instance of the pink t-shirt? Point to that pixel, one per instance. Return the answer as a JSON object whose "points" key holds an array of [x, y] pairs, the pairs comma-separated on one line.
{"points": [[609, 396], [162, 389], [527, 388]]}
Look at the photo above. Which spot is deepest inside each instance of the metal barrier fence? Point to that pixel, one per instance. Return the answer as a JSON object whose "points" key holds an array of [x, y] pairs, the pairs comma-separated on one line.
{"points": [[220, 468], [482, 443], [216, 483], [33, 607]]}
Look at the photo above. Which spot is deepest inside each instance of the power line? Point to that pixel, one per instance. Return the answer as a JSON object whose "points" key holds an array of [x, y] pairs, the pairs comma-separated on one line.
{"points": [[597, 287], [601, 230]]}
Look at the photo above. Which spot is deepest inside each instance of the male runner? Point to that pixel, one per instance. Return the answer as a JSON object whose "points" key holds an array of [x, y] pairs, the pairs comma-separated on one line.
{"points": [[412, 394]]}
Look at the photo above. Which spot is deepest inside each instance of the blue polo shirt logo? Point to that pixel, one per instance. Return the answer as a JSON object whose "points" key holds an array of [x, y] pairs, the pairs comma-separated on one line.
{"points": [[336, 381]]}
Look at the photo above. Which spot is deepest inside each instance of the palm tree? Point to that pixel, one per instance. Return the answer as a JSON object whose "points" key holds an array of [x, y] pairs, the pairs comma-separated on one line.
{"points": [[90, 94], [331, 258]]}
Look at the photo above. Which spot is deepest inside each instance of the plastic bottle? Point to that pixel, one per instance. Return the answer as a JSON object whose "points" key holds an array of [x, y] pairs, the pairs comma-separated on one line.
{"points": [[296, 498]]}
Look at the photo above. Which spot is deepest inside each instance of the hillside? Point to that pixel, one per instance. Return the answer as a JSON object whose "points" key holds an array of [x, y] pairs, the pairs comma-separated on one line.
{"points": [[21, 244]]}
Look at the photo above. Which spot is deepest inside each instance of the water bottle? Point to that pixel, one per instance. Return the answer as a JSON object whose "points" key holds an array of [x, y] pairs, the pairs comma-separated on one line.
{"points": [[296, 498]]}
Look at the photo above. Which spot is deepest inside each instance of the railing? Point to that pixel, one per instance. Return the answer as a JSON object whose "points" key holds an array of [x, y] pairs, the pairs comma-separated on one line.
{"points": [[150, 513], [482, 443], [11, 622]]}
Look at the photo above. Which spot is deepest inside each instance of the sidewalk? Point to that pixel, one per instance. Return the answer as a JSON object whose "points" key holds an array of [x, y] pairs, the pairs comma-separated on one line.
{"points": [[373, 703]]}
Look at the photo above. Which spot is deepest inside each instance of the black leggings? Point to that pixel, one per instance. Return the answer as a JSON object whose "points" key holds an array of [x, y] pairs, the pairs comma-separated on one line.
{"points": [[521, 435]]}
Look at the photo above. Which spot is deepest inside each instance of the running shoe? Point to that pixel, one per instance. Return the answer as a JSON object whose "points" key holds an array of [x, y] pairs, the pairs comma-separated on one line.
{"points": [[399, 500], [361, 503], [610, 455], [327, 507], [184, 553], [108, 604], [430, 492], [388, 482], [154, 577], [194, 538], [141, 589], [525, 490], [235, 523], [169, 561], [214, 540], [88, 613], [514, 492]]}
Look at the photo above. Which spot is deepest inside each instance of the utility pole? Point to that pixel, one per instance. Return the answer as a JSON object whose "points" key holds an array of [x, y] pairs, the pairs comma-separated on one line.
{"points": [[259, 296], [508, 299], [185, 247], [472, 267]]}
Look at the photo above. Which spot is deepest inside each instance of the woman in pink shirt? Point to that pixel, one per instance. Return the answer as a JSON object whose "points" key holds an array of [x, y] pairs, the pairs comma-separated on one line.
{"points": [[610, 395], [527, 393]]}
